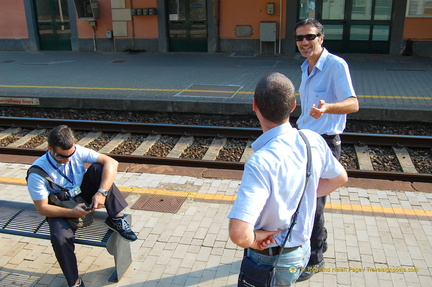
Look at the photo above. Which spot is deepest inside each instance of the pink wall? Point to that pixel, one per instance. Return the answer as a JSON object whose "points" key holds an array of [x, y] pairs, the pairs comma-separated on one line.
{"points": [[12, 20]]}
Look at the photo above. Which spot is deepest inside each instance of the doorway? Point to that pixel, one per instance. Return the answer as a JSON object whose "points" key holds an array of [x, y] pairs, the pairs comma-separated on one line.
{"points": [[53, 24], [187, 25], [352, 26]]}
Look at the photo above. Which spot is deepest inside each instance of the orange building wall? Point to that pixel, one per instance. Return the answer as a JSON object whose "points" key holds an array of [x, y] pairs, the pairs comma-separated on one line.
{"points": [[12, 20], [247, 12], [144, 26], [104, 22], [418, 29]]}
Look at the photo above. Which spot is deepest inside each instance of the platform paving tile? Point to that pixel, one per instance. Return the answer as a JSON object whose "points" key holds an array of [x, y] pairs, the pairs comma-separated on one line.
{"points": [[192, 248]]}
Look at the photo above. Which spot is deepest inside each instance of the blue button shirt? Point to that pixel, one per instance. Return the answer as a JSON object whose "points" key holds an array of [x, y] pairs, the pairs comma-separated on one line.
{"points": [[330, 80], [74, 171], [274, 178]]}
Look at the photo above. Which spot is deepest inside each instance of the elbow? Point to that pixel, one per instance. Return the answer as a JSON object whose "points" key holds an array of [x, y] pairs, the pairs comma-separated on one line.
{"points": [[236, 238], [42, 211], [355, 106], [344, 178]]}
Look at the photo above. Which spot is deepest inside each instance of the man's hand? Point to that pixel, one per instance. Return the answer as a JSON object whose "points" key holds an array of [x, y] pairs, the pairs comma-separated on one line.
{"points": [[98, 200], [318, 112], [263, 239], [79, 210]]}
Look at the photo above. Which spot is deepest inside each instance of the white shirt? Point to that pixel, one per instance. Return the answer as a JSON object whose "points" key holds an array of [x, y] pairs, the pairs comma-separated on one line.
{"points": [[330, 80], [274, 178], [67, 175]]}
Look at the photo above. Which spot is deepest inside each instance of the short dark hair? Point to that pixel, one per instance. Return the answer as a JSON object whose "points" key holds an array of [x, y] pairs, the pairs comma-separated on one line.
{"points": [[61, 136], [312, 22], [275, 97]]}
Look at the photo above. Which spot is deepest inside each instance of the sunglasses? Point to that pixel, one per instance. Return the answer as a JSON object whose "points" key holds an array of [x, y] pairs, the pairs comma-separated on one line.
{"points": [[61, 156], [308, 37]]}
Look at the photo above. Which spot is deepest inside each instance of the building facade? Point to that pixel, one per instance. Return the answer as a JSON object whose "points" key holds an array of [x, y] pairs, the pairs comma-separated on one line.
{"points": [[212, 26]]}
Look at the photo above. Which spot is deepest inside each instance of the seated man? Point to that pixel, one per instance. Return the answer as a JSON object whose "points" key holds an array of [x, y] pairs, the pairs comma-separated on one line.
{"points": [[64, 163]]}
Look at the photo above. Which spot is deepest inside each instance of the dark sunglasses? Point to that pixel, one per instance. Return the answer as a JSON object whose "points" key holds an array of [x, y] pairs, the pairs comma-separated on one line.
{"points": [[308, 37], [61, 156]]}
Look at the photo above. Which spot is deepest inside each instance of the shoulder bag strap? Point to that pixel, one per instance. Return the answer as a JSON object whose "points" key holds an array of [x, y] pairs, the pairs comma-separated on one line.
{"points": [[40, 171]]}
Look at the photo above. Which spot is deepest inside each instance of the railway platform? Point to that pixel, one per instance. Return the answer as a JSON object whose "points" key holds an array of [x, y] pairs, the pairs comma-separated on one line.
{"points": [[380, 232], [389, 87]]}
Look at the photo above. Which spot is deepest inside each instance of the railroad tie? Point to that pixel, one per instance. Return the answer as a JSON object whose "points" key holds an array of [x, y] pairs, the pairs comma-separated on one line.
{"points": [[404, 159], [9, 132], [181, 145], [27, 138], [115, 142], [89, 137], [146, 145], [363, 157], [214, 148], [248, 151]]}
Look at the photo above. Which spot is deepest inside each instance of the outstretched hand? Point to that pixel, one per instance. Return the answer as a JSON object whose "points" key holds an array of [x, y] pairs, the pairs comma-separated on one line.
{"points": [[263, 239], [318, 112]]}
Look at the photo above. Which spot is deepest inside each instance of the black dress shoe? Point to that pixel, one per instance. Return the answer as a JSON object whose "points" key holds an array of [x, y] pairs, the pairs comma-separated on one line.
{"points": [[121, 226], [325, 246], [80, 283], [310, 270]]}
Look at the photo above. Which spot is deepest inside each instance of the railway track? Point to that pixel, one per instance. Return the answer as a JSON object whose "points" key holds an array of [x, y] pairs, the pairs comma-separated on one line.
{"points": [[210, 146]]}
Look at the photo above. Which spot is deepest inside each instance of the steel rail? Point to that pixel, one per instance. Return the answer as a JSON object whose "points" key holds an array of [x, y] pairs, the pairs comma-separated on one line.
{"points": [[210, 131], [111, 126], [369, 174]]}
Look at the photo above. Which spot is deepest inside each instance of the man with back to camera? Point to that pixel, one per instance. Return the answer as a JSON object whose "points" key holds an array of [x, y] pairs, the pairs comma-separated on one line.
{"points": [[64, 163], [327, 96], [273, 182]]}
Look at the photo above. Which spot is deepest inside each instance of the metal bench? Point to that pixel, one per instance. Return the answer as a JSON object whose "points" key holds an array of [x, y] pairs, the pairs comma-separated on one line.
{"points": [[22, 219]]}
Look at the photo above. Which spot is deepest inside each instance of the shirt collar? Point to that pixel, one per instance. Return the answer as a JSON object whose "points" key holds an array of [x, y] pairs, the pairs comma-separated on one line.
{"points": [[320, 63], [263, 139]]}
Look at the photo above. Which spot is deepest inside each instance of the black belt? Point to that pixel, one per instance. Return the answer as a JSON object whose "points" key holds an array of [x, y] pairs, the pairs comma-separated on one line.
{"points": [[272, 251], [328, 136]]}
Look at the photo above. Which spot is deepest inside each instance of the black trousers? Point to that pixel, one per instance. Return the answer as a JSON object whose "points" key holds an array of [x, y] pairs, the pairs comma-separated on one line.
{"points": [[319, 232], [63, 236]]}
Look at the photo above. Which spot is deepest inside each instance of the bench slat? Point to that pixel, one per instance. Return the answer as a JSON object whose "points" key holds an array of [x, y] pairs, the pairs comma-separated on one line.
{"points": [[20, 218]]}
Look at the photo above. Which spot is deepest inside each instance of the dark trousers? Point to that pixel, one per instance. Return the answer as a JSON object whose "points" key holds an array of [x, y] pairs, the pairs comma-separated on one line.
{"points": [[319, 232], [63, 236]]}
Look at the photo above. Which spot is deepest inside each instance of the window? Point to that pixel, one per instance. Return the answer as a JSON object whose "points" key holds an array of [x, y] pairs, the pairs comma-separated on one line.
{"points": [[419, 8]]}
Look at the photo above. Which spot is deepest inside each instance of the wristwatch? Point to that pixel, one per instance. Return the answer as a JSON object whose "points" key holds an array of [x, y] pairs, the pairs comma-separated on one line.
{"points": [[103, 191]]}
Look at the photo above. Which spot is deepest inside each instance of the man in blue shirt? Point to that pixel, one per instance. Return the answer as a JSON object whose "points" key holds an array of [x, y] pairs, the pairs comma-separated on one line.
{"points": [[64, 163], [273, 182], [327, 96]]}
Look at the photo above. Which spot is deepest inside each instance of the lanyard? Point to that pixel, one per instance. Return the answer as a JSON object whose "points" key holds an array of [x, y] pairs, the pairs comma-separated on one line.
{"points": [[59, 171]]}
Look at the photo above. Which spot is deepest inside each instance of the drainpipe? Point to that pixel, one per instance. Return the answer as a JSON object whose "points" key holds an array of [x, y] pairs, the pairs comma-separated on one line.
{"points": [[133, 28], [93, 24], [280, 26]]}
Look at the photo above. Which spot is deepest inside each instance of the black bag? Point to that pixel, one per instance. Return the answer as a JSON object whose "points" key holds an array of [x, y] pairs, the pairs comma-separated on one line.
{"points": [[253, 275], [53, 199], [75, 223]]}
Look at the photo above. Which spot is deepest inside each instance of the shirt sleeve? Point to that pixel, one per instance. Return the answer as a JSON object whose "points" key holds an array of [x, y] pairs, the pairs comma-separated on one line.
{"points": [[36, 186], [252, 194], [343, 82]]}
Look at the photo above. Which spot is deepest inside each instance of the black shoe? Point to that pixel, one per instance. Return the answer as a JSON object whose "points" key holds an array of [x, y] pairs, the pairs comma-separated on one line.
{"points": [[325, 246], [121, 226], [80, 283], [310, 270]]}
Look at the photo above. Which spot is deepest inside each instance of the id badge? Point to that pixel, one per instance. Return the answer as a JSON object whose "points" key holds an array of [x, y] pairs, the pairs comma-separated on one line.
{"points": [[74, 191]]}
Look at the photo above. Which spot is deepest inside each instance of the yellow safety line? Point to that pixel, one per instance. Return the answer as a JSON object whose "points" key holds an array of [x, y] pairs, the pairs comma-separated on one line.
{"points": [[231, 198], [187, 90]]}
